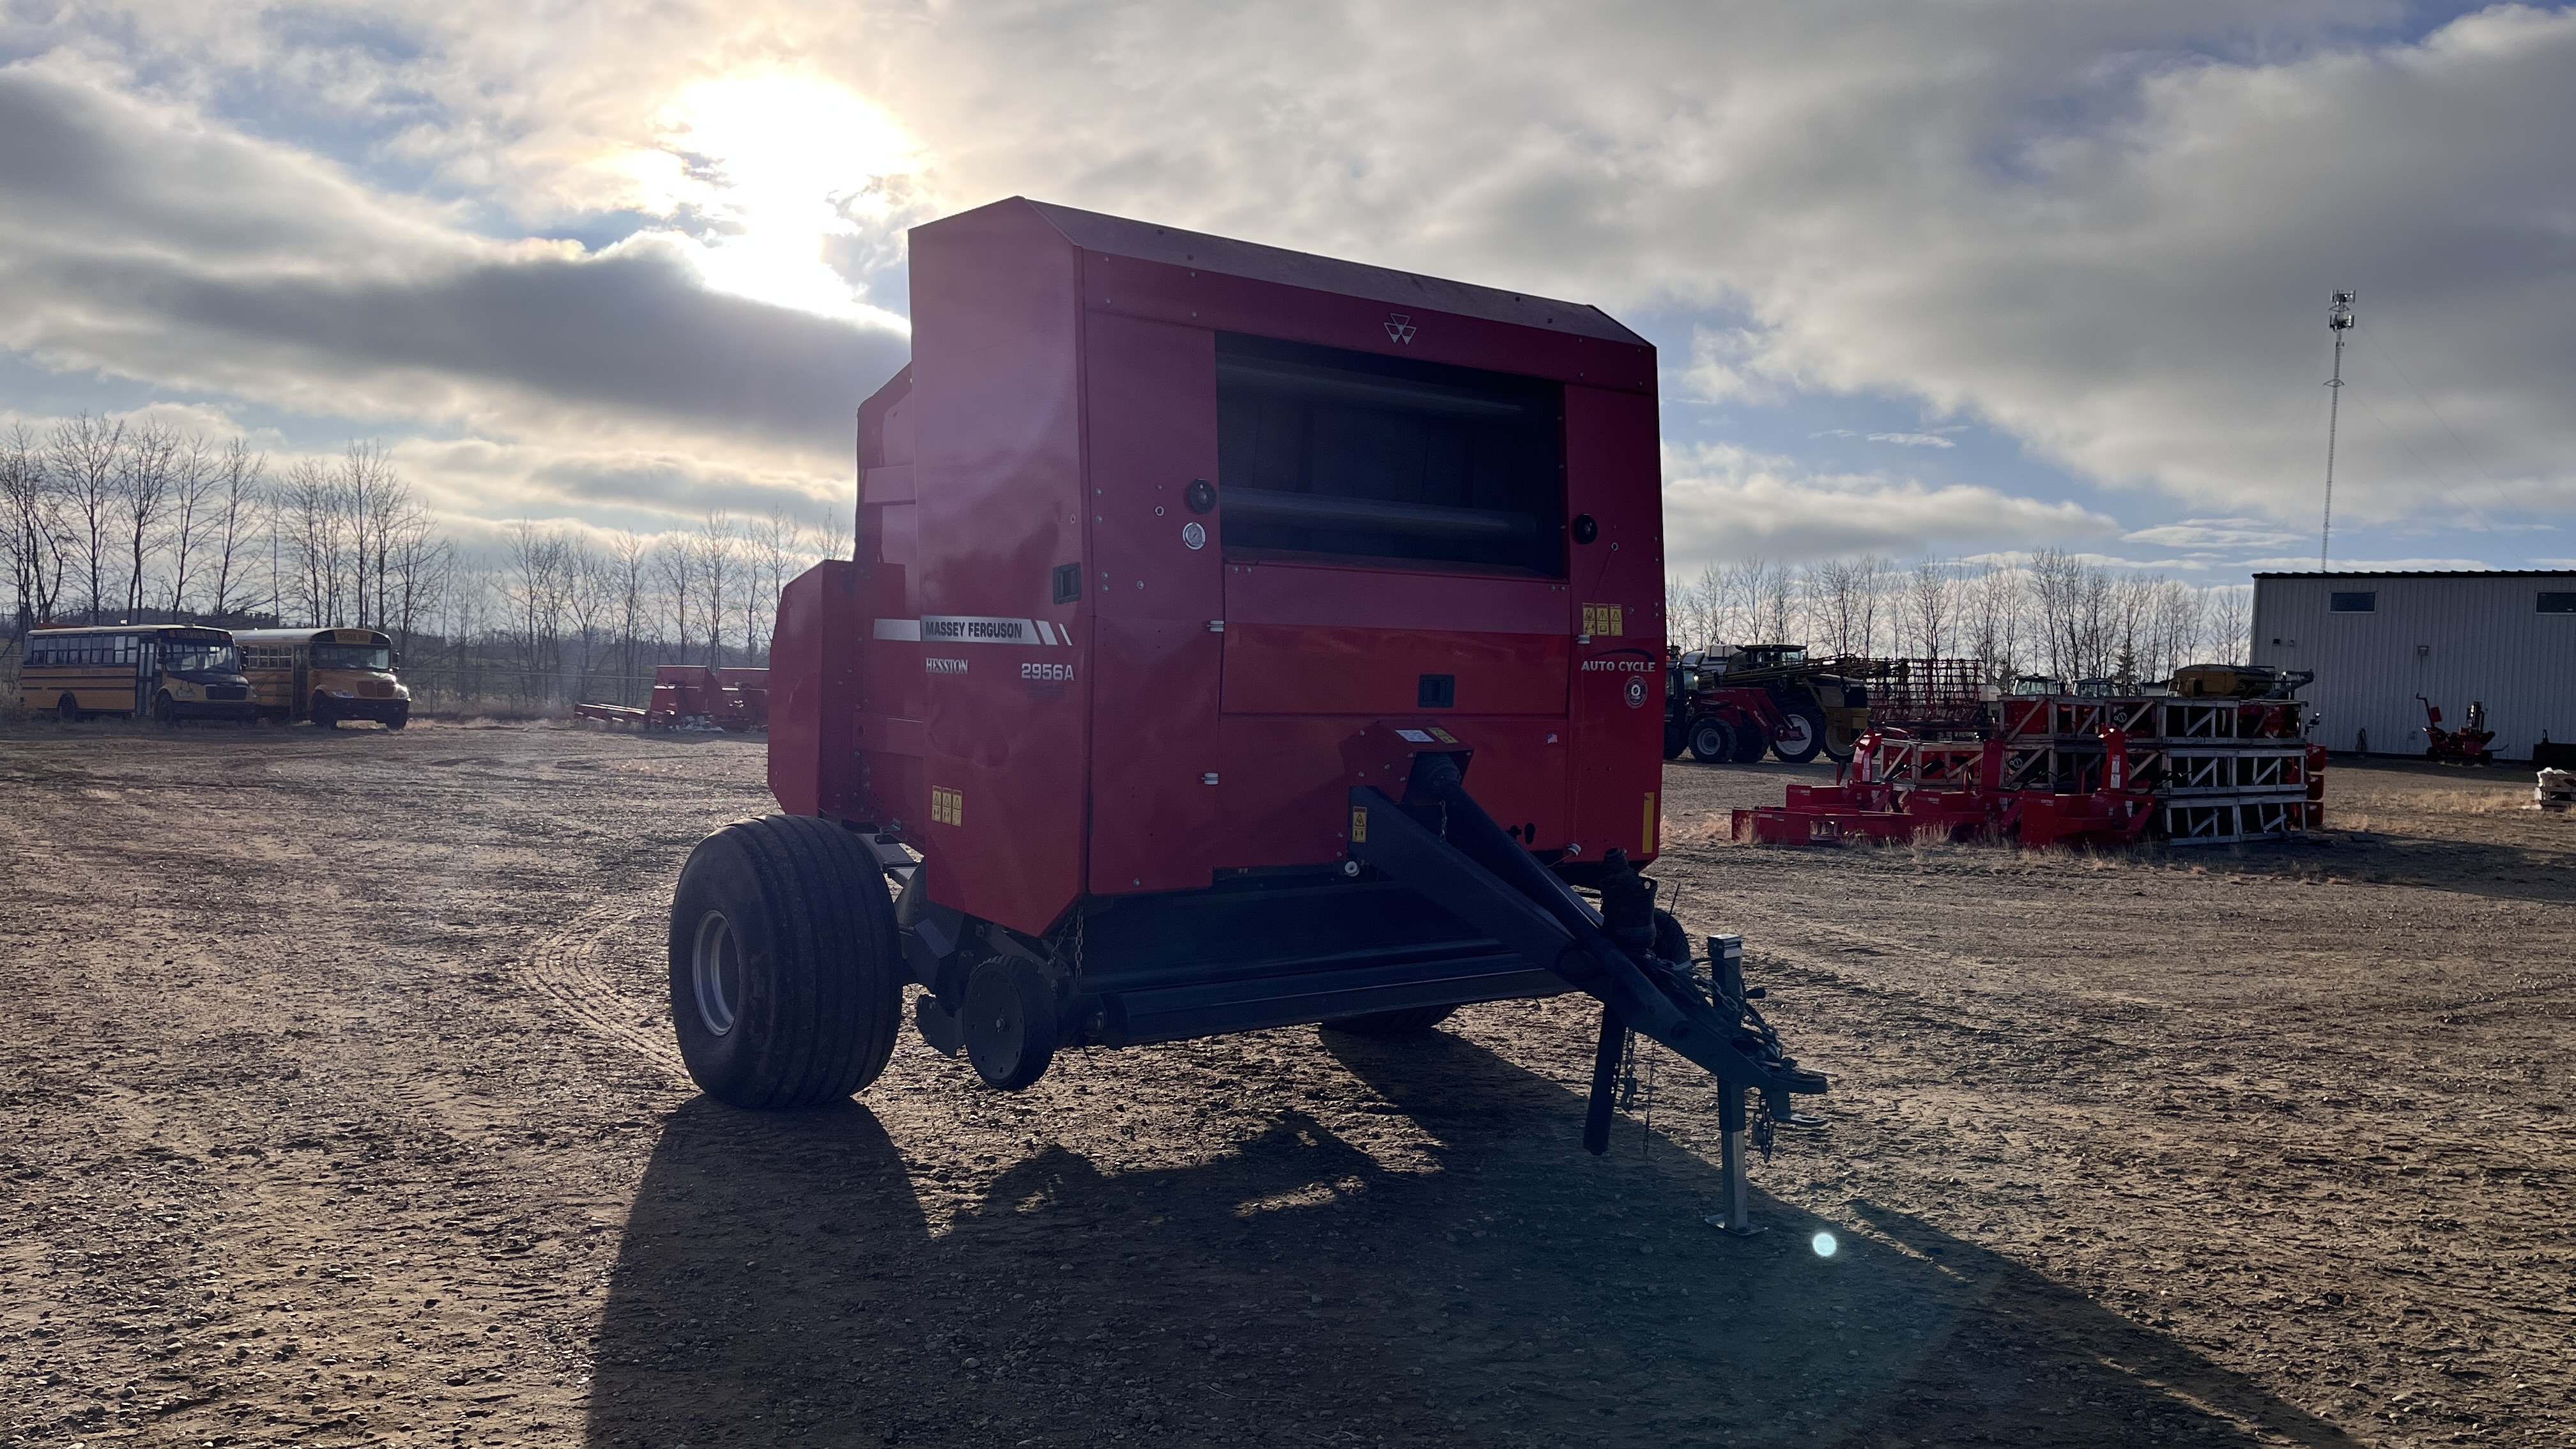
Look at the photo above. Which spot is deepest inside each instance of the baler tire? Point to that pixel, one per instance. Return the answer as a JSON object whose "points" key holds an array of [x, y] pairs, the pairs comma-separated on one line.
{"points": [[1749, 746], [1009, 1023], [1403, 1021], [1801, 754], [1712, 742], [794, 908], [1675, 741]]}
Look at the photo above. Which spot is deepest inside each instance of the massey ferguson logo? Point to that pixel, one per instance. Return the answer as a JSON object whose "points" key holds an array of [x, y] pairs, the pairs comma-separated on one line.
{"points": [[1399, 326]]}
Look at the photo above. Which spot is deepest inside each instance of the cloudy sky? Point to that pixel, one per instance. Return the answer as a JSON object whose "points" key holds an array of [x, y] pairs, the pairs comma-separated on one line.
{"points": [[1956, 279]]}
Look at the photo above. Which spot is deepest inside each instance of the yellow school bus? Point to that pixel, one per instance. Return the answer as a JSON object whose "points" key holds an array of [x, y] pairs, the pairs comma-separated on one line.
{"points": [[164, 672], [325, 675]]}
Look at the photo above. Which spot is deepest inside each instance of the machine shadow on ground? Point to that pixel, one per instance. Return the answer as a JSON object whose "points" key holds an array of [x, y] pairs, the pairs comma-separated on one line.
{"points": [[780, 1281]]}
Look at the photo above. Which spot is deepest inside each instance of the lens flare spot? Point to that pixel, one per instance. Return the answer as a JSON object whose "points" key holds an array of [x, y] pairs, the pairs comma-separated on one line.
{"points": [[1824, 1244]]}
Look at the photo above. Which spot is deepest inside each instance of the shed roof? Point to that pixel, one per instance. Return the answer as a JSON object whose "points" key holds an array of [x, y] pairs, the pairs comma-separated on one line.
{"points": [[1117, 236], [2426, 574]]}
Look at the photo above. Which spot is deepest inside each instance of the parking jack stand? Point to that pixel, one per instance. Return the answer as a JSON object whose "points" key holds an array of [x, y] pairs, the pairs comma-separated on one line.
{"points": [[1738, 1217]]}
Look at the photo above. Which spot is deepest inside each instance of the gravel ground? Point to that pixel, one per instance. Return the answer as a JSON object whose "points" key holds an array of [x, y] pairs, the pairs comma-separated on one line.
{"points": [[341, 1109]]}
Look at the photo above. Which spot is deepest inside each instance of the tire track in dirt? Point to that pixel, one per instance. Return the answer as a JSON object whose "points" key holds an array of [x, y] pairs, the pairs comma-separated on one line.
{"points": [[569, 968]]}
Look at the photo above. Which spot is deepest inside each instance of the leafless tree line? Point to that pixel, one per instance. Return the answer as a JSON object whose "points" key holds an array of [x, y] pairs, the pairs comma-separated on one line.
{"points": [[108, 520], [2053, 615], [574, 617]]}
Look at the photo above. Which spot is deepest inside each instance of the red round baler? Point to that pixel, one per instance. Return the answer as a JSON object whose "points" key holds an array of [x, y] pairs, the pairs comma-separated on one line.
{"points": [[1236, 638]]}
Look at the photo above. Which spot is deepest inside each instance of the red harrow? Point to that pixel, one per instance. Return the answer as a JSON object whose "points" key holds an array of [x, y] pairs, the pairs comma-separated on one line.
{"points": [[1897, 788]]}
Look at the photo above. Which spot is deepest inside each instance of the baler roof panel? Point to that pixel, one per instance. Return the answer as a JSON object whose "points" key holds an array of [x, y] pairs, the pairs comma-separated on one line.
{"points": [[1119, 237]]}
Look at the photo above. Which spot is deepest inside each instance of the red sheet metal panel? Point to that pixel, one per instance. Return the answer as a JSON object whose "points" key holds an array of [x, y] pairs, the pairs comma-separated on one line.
{"points": [[813, 675], [1153, 587], [1614, 475], [997, 380]]}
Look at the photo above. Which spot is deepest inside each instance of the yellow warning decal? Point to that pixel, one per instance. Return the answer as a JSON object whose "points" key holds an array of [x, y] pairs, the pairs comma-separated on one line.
{"points": [[1443, 736], [1359, 825], [947, 807], [1604, 619], [1650, 824]]}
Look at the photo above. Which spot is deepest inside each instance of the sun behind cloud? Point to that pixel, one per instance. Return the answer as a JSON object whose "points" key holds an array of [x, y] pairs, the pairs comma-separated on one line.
{"points": [[770, 169]]}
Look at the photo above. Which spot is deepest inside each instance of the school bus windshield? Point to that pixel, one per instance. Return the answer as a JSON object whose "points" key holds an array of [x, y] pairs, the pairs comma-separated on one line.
{"points": [[352, 656], [189, 656]]}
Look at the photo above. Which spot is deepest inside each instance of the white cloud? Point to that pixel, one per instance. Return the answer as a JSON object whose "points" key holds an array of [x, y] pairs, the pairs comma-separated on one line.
{"points": [[139, 244], [2108, 233], [1723, 502], [2214, 534]]}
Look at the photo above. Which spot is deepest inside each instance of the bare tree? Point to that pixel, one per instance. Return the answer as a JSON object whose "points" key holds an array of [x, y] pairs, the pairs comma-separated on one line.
{"points": [[1930, 609], [715, 549], [1994, 624], [142, 482], [539, 586], [676, 564], [233, 520], [420, 566], [312, 523], [590, 602], [629, 566], [83, 456], [2230, 616], [774, 545], [2175, 628], [196, 493], [831, 537], [1842, 603], [32, 512]]}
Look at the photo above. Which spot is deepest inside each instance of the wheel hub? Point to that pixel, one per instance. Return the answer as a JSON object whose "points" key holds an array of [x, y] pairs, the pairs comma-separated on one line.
{"points": [[715, 972]]}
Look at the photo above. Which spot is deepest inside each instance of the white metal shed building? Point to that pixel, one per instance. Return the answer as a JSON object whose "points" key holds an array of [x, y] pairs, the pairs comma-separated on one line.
{"points": [[2376, 641]]}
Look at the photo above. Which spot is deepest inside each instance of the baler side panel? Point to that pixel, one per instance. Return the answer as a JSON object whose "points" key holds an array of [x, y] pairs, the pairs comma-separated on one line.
{"points": [[814, 670], [887, 731], [1613, 472], [1155, 662], [997, 356]]}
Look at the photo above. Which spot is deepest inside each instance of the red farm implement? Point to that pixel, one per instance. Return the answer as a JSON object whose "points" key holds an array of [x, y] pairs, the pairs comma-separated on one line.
{"points": [[693, 697], [2470, 744], [1901, 789], [2073, 770], [1235, 639]]}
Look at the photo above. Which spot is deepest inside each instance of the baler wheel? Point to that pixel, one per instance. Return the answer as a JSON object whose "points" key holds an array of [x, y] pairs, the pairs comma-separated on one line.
{"points": [[1404, 1021], [1712, 742], [1010, 1023], [786, 980], [1675, 741]]}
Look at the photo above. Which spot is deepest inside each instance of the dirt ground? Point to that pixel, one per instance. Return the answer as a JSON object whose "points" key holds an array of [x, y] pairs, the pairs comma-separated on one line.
{"points": [[338, 1106]]}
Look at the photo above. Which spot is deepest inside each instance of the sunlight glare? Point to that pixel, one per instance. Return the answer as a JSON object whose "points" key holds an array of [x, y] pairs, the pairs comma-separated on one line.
{"points": [[1824, 1244], [777, 165]]}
